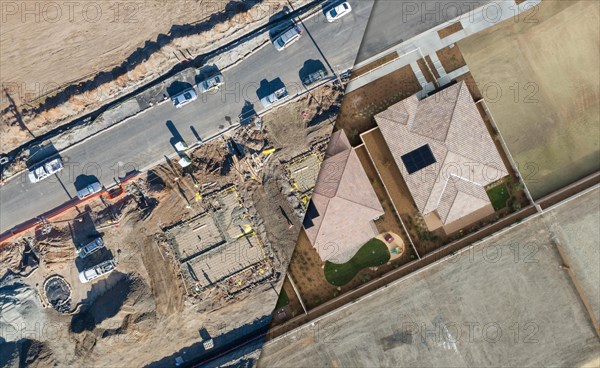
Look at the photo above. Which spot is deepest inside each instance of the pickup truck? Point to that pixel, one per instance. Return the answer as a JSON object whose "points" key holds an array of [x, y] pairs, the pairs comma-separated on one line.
{"points": [[45, 169], [98, 270], [274, 97]]}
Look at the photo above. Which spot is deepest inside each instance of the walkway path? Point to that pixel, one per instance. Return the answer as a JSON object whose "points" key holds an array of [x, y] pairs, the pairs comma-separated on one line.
{"points": [[429, 42]]}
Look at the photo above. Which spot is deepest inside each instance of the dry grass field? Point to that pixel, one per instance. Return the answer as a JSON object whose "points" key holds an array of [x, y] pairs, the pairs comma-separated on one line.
{"points": [[540, 76]]}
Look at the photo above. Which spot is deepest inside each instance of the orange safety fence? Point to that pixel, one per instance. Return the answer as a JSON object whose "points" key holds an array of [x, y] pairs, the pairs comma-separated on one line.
{"points": [[18, 230]]}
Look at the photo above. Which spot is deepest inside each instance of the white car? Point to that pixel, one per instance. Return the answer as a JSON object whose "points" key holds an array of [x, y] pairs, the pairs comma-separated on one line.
{"points": [[98, 270], [45, 169], [287, 38], [338, 11], [90, 189], [211, 83], [274, 97], [184, 97], [184, 162]]}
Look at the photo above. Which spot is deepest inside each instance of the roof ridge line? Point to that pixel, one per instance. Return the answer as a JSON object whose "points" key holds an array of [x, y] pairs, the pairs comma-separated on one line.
{"points": [[437, 175], [461, 84], [450, 207], [337, 188], [321, 223], [359, 204]]}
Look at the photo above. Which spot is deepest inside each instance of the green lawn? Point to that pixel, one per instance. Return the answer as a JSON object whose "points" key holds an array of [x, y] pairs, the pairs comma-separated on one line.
{"points": [[283, 300], [374, 253], [498, 196]]}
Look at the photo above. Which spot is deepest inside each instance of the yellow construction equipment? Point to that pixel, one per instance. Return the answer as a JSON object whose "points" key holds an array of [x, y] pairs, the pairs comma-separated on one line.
{"points": [[269, 151]]}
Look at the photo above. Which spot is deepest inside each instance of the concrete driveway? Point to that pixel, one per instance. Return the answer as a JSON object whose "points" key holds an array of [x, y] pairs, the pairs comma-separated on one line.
{"points": [[396, 21]]}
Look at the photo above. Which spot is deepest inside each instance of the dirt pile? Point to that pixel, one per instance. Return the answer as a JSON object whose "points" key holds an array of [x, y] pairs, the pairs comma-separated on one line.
{"points": [[21, 310], [26, 353]]}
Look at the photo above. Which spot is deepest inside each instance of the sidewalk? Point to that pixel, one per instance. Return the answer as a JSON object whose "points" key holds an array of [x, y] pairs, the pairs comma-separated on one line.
{"points": [[429, 42]]}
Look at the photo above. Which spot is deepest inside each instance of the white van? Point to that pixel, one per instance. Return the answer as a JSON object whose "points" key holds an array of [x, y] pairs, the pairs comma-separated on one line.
{"points": [[287, 38]]}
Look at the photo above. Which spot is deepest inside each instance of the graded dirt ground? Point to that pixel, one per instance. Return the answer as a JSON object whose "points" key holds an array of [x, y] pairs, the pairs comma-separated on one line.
{"points": [[575, 225], [359, 106], [146, 313], [540, 76], [506, 301], [47, 44]]}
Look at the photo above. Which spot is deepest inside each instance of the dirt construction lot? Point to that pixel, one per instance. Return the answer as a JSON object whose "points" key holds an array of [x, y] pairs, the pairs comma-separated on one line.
{"points": [[540, 77], [152, 308]]}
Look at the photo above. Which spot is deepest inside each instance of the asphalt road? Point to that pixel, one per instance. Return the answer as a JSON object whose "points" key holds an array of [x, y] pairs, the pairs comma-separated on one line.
{"points": [[396, 21], [147, 138]]}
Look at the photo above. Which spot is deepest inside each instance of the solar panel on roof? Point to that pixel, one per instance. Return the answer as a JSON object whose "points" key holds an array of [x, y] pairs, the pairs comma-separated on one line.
{"points": [[418, 159]]}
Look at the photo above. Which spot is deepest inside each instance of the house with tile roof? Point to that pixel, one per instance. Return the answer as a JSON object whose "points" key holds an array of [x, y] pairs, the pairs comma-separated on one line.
{"points": [[340, 215], [445, 155]]}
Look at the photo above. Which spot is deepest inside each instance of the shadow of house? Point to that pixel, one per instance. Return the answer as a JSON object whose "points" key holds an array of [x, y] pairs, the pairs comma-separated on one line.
{"points": [[266, 87], [310, 66], [232, 343]]}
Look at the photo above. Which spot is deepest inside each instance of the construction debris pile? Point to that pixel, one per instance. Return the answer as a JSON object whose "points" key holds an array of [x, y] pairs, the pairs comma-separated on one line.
{"points": [[163, 252]]}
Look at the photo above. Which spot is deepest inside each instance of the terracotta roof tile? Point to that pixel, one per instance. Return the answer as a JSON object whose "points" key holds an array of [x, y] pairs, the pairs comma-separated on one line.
{"points": [[345, 205], [451, 125]]}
